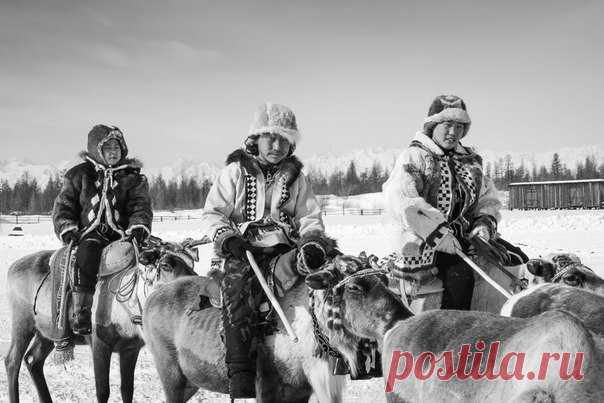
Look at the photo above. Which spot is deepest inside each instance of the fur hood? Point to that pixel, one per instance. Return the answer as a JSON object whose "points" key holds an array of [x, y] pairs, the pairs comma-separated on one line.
{"points": [[290, 166], [99, 135]]}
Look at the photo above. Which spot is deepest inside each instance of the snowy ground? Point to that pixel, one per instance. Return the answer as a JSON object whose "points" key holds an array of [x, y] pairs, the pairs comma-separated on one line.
{"points": [[537, 232]]}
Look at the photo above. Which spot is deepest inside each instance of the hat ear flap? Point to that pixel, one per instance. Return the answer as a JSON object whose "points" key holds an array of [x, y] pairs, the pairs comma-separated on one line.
{"points": [[251, 144]]}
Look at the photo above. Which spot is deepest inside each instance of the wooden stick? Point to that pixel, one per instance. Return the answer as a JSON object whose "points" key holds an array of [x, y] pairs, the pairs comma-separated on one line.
{"points": [[271, 296], [482, 274]]}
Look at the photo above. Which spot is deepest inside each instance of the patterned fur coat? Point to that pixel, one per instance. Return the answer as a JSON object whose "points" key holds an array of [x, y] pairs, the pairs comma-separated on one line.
{"points": [[238, 198], [440, 189], [93, 193]]}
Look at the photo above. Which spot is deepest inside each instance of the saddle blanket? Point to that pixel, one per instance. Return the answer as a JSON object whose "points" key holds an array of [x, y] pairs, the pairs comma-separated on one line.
{"points": [[62, 264]]}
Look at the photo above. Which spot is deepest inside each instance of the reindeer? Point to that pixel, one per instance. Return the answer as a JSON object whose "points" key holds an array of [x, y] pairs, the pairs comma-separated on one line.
{"points": [[29, 297], [584, 304], [438, 331], [565, 268], [560, 281], [182, 331]]}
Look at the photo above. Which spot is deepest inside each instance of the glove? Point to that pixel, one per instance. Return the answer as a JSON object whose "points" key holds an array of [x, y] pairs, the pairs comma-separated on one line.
{"points": [[313, 256], [237, 246], [71, 236], [483, 231], [139, 234]]}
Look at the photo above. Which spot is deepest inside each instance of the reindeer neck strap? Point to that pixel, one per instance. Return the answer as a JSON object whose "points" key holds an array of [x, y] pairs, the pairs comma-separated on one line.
{"points": [[326, 349]]}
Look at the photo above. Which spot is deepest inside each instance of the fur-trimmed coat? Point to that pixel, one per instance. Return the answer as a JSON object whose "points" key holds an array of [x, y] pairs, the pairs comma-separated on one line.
{"points": [[423, 179], [238, 198], [93, 193]]}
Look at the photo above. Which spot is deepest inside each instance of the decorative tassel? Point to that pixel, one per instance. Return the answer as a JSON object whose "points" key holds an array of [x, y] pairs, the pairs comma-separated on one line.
{"points": [[63, 351]]}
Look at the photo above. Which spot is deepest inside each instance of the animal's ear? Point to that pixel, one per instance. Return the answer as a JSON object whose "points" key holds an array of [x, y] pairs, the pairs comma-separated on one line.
{"points": [[541, 268], [363, 256], [321, 279]]}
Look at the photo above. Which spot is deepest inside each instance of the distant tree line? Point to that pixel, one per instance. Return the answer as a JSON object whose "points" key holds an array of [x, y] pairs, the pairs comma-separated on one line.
{"points": [[28, 197], [348, 182], [503, 172]]}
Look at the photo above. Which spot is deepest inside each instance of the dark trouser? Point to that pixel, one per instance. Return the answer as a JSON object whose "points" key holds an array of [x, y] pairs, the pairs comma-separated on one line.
{"points": [[88, 257], [458, 281], [241, 295]]}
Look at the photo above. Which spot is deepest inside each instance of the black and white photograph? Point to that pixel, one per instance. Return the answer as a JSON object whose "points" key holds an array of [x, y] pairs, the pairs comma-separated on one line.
{"points": [[301, 201]]}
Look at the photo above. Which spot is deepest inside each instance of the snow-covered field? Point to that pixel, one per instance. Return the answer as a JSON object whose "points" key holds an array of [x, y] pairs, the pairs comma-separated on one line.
{"points": [[537, 232]]}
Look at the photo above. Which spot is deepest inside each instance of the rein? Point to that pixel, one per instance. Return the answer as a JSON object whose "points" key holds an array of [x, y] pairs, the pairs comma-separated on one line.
{"points": [[360, 273]]}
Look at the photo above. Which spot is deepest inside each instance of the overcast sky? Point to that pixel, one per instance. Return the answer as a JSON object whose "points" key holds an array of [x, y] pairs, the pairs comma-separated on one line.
{"points": [[183, 79]]}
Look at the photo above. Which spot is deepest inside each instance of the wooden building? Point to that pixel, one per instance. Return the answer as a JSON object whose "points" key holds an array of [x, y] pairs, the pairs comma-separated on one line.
{"points": [[572, 194]]}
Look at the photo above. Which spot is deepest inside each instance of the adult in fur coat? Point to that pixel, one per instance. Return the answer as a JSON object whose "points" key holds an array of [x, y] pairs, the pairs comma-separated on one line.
{"points": [[439, 198], [261, 199], [103, 199]]}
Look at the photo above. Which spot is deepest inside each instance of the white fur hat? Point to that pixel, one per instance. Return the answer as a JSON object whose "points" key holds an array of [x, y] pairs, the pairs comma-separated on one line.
{"points": [[275, 118]]}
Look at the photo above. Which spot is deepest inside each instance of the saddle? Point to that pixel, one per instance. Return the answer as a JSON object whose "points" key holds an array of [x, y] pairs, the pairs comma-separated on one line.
{"points": [[116, 258]]}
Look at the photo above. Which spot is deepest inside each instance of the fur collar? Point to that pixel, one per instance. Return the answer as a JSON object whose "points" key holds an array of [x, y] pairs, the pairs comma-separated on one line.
{"points": [[133, 163], [290, 166], [461, 151]]}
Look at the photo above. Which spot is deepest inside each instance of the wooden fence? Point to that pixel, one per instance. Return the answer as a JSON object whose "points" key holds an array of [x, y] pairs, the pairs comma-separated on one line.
{"points": [[36, 219]]}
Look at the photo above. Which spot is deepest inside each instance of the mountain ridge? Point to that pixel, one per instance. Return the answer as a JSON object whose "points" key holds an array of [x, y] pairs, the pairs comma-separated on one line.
{"points": [[184, 168]]}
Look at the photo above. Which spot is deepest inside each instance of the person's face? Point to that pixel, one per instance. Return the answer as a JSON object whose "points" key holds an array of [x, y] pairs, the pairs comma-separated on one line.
{"points": [[448, 134], [272, 148], [112, 152]]}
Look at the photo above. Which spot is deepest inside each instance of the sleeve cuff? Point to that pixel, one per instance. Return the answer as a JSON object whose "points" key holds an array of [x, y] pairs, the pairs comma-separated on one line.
{"points": [[67, 229], [220, 236], [133, 227]]}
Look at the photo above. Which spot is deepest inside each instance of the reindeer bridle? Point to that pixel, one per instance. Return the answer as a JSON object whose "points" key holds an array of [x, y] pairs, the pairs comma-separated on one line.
{"points": [[562, 272], [333, 298], [123, 292]]}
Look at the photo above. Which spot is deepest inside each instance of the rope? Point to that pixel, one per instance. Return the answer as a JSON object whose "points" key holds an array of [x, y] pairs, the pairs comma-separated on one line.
{"points": [[124, 292], [360, 273], [38, 291]]}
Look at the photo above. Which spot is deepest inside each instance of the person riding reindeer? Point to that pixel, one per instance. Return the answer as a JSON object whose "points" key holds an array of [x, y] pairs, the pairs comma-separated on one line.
{"points": [[103, 199], [263, 203], [440, 200]]}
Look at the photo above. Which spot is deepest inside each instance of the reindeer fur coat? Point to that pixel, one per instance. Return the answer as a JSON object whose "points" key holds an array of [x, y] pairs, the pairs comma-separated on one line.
{"points": [[238, 198], [422, 180]]}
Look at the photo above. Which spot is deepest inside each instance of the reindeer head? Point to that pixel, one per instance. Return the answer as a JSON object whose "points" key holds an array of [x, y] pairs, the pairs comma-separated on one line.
{"points": [[352, 301], [170, 260], [565, 268]]}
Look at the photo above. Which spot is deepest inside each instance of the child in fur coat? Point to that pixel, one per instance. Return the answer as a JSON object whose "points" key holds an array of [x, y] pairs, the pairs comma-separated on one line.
{"points": [[261, 199], [103, 199]]}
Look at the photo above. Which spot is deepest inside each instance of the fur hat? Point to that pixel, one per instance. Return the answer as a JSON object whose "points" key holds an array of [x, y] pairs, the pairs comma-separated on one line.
{"points": [[99, 135], [273, 118], [446, 108]]}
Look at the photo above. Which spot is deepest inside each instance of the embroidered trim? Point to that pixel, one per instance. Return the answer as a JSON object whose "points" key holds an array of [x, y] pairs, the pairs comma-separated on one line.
{"points": [[251, 195], [444, 200], [221, 231]]}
